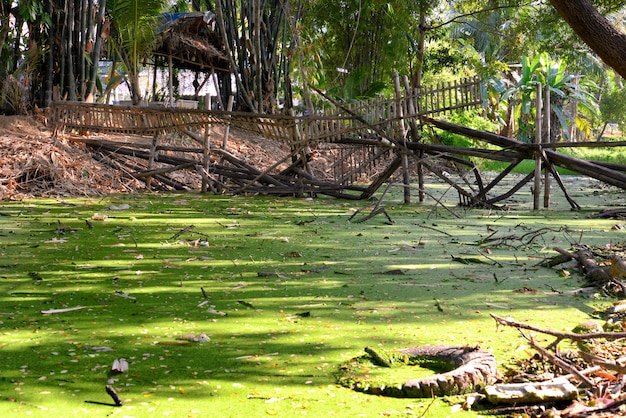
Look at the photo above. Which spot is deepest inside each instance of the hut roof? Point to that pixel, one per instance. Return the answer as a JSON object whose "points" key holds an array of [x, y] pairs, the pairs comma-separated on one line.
{"points": [[192, 41]]}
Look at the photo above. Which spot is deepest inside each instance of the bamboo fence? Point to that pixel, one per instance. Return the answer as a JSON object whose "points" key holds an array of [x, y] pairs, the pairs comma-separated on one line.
{"points": [[366, 142]]}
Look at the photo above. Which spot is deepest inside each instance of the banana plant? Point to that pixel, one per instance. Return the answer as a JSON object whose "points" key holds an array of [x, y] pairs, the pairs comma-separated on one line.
{"points": [[565, 89]]}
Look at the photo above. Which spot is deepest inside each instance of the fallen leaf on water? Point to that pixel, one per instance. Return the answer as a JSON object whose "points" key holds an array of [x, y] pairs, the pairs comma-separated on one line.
{"points": [[55, 241], [119, 366], [526, 290], [123, 206], [199, 338], [101, 349], [293, 254], [392, 272], [215, 312]]}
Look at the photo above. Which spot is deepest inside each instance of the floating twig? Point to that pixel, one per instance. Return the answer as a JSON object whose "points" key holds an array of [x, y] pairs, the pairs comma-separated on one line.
{"points": [[62, 310], [182, 231]]}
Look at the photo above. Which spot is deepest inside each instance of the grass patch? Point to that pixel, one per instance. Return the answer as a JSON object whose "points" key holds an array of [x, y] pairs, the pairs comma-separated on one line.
{"points": [[286, 289], [615, 155]]}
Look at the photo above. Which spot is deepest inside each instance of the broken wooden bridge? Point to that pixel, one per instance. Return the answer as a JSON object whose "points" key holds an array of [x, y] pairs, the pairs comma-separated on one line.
{"points": [[362, 147]]}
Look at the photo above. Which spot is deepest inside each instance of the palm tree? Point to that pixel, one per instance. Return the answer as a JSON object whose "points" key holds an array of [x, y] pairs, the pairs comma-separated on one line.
{"points": [[135, 25]]}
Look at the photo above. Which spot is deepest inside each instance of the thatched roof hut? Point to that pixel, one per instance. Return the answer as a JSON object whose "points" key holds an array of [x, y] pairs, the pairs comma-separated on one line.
{"points": [[192, 41]]}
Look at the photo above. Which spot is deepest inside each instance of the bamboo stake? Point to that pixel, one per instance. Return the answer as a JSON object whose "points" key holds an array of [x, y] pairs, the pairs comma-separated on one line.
{"points": [[231, 100], [415, 137], [536, 155], [206, 147], [405, 159], [546, 138]]}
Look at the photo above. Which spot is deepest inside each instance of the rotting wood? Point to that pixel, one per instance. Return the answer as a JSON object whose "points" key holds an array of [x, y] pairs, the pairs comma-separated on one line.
{"points": [[163, 170], [574, 372], [471, 369], [563, 365], [619, 213], [530, 393], [560, 335], [598, 275]]}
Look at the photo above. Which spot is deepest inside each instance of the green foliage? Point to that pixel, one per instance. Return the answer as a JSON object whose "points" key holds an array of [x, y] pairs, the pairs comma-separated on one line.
{"points": [[354, 87], [443, 58], [14, 86], [472, 119], [34, 11], [613, 107], [371, 39], [564, 88], [615, 155], [135, 23]]}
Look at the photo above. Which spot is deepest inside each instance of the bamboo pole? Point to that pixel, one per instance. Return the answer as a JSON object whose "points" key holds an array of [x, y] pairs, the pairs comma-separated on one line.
{"points": [[206, 147], [536, 154], [170, 79], [152, 158], [231, 100], [415, 137], [546, 138], [405, 159]]}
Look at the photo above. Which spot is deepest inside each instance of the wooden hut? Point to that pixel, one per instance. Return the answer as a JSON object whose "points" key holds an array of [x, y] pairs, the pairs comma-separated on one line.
{"points": [[192, 41]]}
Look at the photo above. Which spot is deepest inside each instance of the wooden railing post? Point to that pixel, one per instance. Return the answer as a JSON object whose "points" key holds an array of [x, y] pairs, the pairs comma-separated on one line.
{"points": [[206, 147], [546, 138], [406, 175], [537, 153]]}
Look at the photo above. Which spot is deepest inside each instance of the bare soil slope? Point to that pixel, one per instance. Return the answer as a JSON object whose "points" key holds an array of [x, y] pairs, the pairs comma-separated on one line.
{"points": [[33, 164]]}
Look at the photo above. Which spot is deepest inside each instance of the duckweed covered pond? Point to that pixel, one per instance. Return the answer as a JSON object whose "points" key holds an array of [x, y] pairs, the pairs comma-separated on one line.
{"points": [[286, 290]]}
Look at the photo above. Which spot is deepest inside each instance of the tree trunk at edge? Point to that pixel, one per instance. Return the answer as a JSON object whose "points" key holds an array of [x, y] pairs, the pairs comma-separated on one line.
{"points": [[596, 31]]}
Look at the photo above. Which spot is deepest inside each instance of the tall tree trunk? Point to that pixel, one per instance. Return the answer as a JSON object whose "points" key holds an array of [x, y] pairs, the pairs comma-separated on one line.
{"points": [[61, 23], [419, 67], [81, 56], [18, 42], [49, 66], [95, 52], [596, 31], [258, 61], [71, 77]]}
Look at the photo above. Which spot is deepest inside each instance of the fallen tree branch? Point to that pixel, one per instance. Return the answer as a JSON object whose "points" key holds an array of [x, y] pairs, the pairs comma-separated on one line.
{"points": [[377, 209], [618, 365], [562, 364], [603, 276], [558, 334]]}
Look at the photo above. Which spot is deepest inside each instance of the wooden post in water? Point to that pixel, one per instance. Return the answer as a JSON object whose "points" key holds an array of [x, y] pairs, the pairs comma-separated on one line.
{"points": [[152, 157], [546, 135], [206, 145], [406, 176], [537, 153], [410, 96], [231, 100], [170, 80]]}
